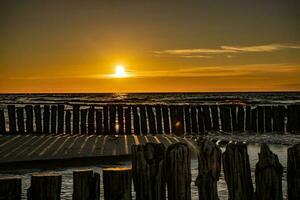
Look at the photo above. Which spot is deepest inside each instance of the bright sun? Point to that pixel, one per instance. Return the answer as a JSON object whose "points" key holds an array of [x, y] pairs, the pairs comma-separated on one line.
{"points": [[120, 71]]}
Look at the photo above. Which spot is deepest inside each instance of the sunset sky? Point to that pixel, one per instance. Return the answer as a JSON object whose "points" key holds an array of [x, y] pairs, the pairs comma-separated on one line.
{"points": [[164, 46]]}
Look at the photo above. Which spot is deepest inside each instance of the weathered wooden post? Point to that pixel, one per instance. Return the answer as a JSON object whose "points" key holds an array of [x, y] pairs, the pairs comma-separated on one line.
{"points": [[268, 175], [38, 119], [2, 122], [83, 114], [215, 117], [237, 172], [278, 113], [293, 172], [120, 119], [151, 119], [46, 119], [12, 118], [187, 116], [201, 123], [207, 120], [158, 119], [225, 118], [60, 118], [241, 118], [112, 119], [76, 109], [136, 121], [233, 109], [105, 120], [144, 128], [128, 121], [53, 119], [29, 119], [268, 119], [10, 188], [166, 118], [20, 120], [293, 113], [45, 187], [148, 171], [209, 168], [117, 183], [173, 118], [260, 119], [91, 120], [248, 118], [86, 185], [180, 120], [99, 127], [178, 178], [194, 120], [68, 122], [254, 119]]}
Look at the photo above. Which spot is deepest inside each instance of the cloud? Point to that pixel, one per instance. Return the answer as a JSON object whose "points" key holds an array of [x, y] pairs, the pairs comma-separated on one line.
{"points": [[207, 53]]}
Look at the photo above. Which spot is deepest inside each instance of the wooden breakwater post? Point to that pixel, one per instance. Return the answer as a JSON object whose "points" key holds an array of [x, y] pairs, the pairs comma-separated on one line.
{"points": [[29, 119], [60, 118], [68, 122], [136, 121], [76, 110], [2, 122], [91, 120], [12, 118], [293, 172], [38, 119], [209, 168], [20, 120], [99, 127], [53, 119], [117, 183], [86, 185], [268, 175], [128, 120], [10, 188], [178, 178], [148, 171], [45, 186], [46, 119], [237, 172], [83, 116]]}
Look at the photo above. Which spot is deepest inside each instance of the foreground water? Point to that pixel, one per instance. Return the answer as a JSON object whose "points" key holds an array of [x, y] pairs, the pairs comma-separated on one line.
{"points": [[67, 176]]}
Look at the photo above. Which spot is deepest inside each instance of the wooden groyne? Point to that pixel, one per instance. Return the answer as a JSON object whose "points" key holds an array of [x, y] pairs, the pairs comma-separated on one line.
{"points": [[152, 175], [149, 119]]}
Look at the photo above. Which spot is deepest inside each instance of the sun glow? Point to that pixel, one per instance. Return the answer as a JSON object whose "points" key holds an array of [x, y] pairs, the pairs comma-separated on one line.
{"points": [[120, 72]]}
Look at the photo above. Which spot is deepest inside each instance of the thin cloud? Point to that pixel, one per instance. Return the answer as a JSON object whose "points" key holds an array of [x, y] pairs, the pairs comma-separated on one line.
{"points": [[207, 53]]}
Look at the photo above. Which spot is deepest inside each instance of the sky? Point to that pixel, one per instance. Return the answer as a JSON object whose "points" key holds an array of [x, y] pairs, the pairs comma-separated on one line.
{"points": [[164, 46]]}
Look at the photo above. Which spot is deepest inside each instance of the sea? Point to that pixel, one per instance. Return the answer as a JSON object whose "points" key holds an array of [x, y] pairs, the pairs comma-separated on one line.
{"points": [[254, 98]]}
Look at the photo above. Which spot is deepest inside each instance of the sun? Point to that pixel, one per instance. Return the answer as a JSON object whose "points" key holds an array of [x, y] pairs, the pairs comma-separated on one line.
{"points": [[120, 72]]}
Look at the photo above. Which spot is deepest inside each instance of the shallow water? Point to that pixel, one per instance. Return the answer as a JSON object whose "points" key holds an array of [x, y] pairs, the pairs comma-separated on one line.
{"points": [[67, 176]]}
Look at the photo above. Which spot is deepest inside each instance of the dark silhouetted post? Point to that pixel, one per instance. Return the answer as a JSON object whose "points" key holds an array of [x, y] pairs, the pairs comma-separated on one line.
{"points": [[91, 120], [128, 120], [112, 120], [2, 122], [10, 188], [83, 114], [143, 120], [260, 119], [268, 119], [254, 120], [99, 127], [120, 120], [201, 122], [215, 117], [76, 109], [166, 118], [209, 168], [44, 187], [136, 121], [68, 122], [105, 120], [268, 175], [46, 119], [241, 118], [38, 119], [29, 119], [225, 118], [60, 118], [194, 120], [148, 173], [117, 183], [20, 120], [293, 173], [187, 116], [237, 172], [158, 119], [12, 118], [278, 113], [207, 120], [178, 178], [53, 119], [151, 119], [86, 185]]}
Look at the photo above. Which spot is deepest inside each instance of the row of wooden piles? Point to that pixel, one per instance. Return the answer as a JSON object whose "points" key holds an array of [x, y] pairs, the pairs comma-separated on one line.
{"points": [[150, 119], [155, 168]]}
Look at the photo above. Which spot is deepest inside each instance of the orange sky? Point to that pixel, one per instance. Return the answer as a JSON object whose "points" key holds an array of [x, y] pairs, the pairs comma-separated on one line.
{"points": [[170, 46]]}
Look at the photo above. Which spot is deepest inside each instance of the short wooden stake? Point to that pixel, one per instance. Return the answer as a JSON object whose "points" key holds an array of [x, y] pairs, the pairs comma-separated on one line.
{"points": [[53, 119], [45, 187], [20, 120], [29, 119], [76, 109], [99, 126], [12, 118], [136, 121], [209, 168], [46, 119], [268, 175], [10, 188], [83, 114], [2, 122], [148, 173], [86, 185], [293, 173], [178, 165], [117, 183], [60, 118], [68, 122], [38, 119], [91, 120]]}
